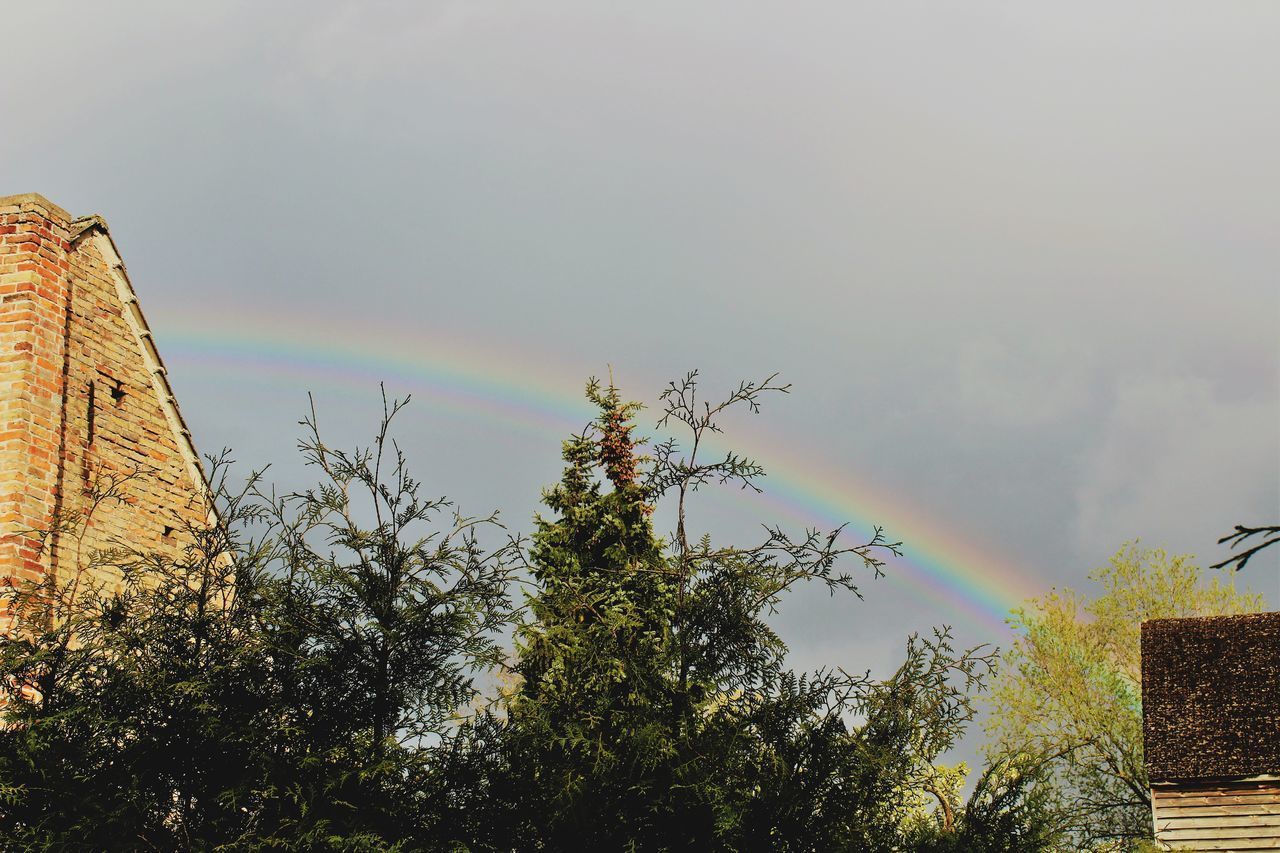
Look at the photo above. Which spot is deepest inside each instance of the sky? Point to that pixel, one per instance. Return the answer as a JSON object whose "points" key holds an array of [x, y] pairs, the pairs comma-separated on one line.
{"points": [[1018, 261]]}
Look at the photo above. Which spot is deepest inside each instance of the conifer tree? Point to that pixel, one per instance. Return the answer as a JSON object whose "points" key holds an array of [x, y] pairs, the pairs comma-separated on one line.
{"points": [[655, 710], [592, 733], [292, 689], [301, 678]]}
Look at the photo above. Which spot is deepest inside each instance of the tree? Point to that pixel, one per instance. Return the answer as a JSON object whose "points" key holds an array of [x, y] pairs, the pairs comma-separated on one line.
{"points": [[295, 689], [589, 727], [655, 710], [1069, 689], [302, 676], [1011, 810], [387, 605], [132, 701]]}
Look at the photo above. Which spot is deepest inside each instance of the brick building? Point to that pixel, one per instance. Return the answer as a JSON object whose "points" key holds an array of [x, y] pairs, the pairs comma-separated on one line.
{"points": [[1211, 730], [84, 401]]}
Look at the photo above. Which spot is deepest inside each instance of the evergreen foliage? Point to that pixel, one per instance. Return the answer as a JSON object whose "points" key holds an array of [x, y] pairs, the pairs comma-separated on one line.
{"points": [[303, 678], [290, 690], [655, 710]]}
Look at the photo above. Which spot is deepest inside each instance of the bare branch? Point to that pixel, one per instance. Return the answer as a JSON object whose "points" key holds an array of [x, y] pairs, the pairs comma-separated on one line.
{"points": [[1239, 537]]}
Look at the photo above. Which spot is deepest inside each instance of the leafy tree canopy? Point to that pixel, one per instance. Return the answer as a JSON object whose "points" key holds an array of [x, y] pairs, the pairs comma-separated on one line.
{"points": [[1069, 692]]}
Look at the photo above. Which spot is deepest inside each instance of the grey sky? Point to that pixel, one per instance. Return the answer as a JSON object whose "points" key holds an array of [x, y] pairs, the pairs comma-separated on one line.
{"points": [[1018, 259]]}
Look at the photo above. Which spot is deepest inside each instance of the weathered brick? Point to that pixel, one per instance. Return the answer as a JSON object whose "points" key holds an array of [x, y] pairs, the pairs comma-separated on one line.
{"points": [[63, 327]]}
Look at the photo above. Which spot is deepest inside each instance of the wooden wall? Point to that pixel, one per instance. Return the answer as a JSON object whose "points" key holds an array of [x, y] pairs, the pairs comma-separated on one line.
{"points": [[1218, 815]]}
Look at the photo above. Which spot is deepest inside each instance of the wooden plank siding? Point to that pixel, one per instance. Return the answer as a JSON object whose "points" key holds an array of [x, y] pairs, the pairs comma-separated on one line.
{"points": [[1218, 814]]}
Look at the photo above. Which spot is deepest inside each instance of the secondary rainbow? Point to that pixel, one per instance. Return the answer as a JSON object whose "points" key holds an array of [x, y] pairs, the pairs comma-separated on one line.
{"points": [[961, 576]]}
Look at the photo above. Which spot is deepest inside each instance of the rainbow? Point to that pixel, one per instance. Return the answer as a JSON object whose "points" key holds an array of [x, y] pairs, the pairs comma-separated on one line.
{"points": [[961, 577]]}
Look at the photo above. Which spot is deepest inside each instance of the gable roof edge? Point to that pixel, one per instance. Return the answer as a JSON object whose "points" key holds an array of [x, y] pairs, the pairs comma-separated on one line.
{"points": [[94, 227]]}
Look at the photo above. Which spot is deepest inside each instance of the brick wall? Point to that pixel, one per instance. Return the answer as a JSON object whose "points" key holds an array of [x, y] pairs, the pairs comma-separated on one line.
{"points": [[84, 403]]}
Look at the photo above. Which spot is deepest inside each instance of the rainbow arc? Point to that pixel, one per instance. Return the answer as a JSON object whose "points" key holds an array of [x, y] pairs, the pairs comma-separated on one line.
{"points": [[963, 577]]}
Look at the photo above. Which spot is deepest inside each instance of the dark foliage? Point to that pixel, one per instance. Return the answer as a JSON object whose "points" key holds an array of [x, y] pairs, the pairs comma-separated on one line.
{"points": [[1012, 810], [654, 709], [290, 690], [302, 678]]}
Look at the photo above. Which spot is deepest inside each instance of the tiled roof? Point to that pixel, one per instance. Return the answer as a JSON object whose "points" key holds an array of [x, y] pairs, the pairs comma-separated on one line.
{"points": [[1211, 696]]}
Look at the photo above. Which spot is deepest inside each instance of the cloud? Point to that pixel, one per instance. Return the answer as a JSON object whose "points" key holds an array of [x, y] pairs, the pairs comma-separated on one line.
{"points": [[1021, 383], [1021, 278], [1177, 465], [363, 42]]}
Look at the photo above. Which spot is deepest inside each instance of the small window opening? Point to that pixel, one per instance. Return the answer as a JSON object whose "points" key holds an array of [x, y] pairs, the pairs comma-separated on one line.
{"points": [[92, 410]]}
